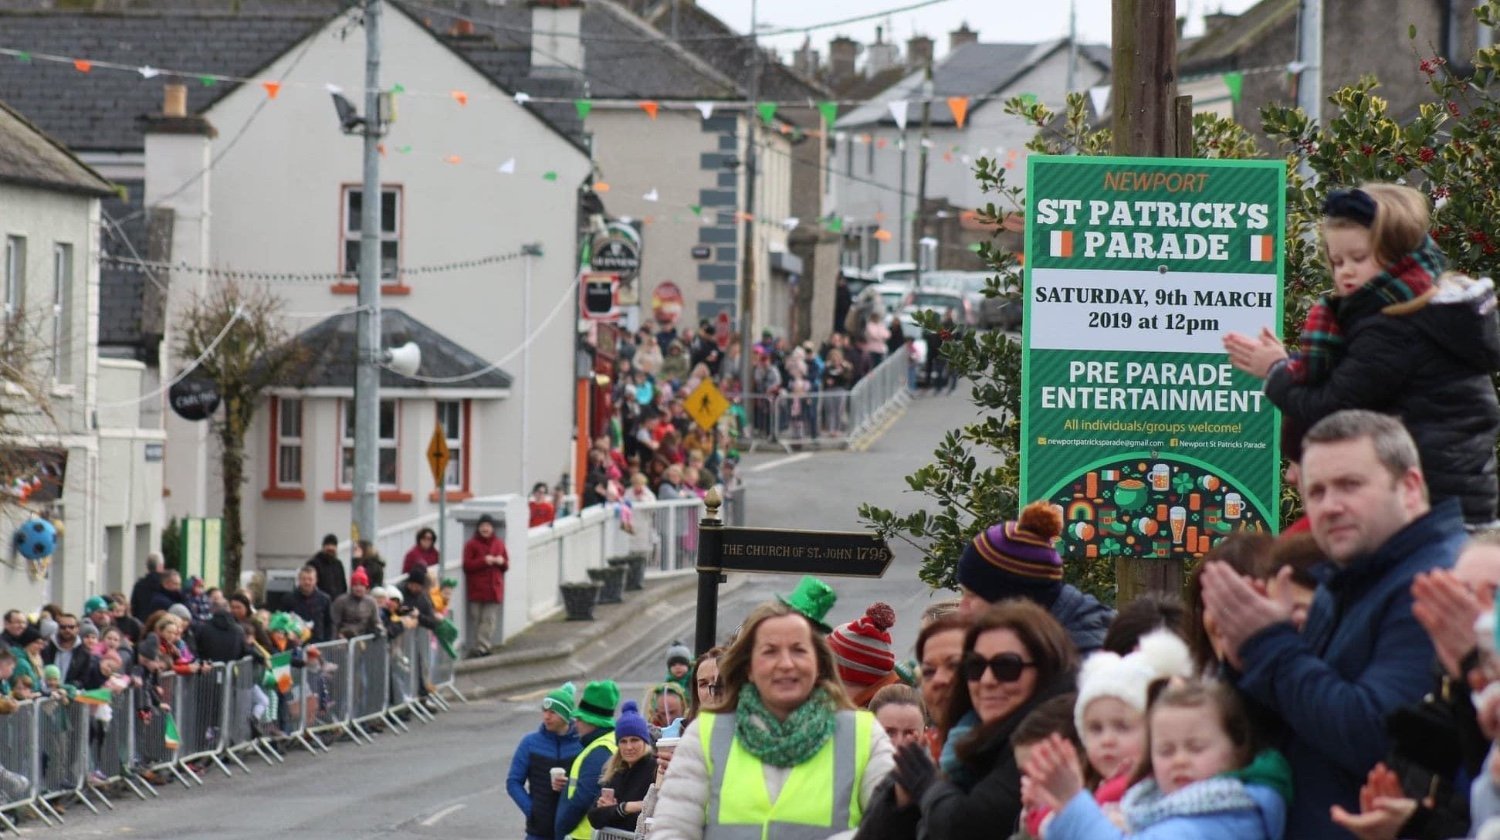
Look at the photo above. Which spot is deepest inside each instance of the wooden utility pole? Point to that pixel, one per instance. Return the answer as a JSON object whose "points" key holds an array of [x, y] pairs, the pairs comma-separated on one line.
{"points": [[1144, 85], [1149, 120]]}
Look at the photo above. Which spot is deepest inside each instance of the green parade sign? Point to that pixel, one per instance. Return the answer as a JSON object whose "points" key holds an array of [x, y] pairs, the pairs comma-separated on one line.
{"points": [[1132, 418]]}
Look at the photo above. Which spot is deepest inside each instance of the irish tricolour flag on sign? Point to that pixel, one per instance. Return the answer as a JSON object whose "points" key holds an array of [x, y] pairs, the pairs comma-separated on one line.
{"points": [[1062, 243], [281, 669], [1262, 249]]}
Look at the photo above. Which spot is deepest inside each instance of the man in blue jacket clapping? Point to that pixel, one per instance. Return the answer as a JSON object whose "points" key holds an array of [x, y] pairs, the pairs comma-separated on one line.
{"points": [[1361, 654]]}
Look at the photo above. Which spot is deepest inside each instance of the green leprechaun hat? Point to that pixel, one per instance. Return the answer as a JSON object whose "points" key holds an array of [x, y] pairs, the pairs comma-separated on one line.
{"points": [[813, 598]]}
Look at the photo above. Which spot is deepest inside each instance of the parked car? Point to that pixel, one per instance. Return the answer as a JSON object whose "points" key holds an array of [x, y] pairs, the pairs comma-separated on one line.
{"points": [[984, 312], [939, 301]]}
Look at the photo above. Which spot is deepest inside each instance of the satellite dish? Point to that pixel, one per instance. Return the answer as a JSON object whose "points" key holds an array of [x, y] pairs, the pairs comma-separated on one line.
{"points": [[404, 359]]}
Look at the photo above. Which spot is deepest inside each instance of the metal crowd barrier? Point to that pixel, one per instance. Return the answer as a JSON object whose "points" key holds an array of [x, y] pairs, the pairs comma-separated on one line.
{"points": [[830, 418], [57, 749]]}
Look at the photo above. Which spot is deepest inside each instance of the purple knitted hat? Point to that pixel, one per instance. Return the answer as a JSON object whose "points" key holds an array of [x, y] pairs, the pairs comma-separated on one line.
{"points": [[1014, 558]]}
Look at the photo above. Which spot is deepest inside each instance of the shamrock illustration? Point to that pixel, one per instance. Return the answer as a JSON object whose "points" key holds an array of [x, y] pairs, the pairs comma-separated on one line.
{"points": [[1183, 483], [1109, 547]]}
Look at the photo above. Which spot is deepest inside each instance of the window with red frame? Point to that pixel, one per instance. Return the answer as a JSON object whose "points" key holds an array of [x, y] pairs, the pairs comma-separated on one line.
{"points": [[390, 232], [387, 432], [288, 420], [453, 419]]}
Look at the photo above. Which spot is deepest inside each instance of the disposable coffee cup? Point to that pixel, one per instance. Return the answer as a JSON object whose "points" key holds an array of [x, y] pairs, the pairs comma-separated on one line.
{"points": [[558, 773]]}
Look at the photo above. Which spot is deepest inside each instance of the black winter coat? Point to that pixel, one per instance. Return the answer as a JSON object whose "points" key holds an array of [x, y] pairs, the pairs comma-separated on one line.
{"points": [[1083, 616], [631, 785], [221, 639], [1430, 367], [989, 806]]}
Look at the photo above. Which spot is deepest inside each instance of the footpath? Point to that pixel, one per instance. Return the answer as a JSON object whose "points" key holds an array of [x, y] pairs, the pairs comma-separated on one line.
{"points": [[556, 650]]}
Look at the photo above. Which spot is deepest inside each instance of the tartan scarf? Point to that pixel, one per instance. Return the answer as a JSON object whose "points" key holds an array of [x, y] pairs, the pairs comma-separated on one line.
{"points": [[1322, 340]]}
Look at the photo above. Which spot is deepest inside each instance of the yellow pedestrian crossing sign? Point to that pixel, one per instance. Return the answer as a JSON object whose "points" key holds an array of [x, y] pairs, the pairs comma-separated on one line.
{"points": [[706, 404]]}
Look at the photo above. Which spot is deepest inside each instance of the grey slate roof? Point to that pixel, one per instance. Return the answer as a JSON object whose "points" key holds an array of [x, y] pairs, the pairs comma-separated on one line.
{"points": [[624, 57], [976, 70], [31, 158], [332, 349], [709, 38], [99, 111], [1219, 48]]}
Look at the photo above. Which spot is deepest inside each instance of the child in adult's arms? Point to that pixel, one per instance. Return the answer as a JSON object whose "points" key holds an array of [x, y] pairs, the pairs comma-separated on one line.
{"points": [[1395, 335]]}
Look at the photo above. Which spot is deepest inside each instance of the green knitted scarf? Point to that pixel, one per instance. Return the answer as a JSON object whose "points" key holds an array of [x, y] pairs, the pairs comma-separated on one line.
{"points": [[784, 743]]}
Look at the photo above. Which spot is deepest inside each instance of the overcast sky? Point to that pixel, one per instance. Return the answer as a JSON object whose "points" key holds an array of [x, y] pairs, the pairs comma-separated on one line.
{"points": [[1013, 21]]}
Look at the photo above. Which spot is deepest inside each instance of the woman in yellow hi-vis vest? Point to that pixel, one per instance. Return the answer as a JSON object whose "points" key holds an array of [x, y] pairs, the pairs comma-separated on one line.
{"points": [[784, 755]]}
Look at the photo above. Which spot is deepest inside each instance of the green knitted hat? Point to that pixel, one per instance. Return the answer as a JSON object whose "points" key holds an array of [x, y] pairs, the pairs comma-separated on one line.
{"points": [[286, 623], [597, 705], [94, 604], [560, 701]]}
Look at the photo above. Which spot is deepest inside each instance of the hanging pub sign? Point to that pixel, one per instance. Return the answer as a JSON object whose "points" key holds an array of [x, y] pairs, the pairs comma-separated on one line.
{"points": [[194, 398], [618, 251], [599, 296]]}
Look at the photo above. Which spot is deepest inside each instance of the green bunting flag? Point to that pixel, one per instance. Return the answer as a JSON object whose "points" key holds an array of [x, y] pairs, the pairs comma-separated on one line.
{"points": [[767, 111], [207, 81], [23, 56], [405, 150], [549, 175], [1236, 83], [834, 224], [398, 88], [829, 110], [1028, 99], [583, 107], [696, 208], [974, 246]]}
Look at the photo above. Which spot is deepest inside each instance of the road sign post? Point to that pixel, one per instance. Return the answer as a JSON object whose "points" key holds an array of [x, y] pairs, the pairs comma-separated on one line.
{"points": [[772, 551], [438, 454]]}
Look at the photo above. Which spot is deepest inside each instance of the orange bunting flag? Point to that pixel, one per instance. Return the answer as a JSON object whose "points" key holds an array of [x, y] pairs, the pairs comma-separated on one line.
{"points": [[742, 216], [82, 65], [453, 159], [650, 108], [883, 235], [380, 147], [947, 157], [601, 186], [959, 105], [459, 96], [880, 142], [272, 88]]}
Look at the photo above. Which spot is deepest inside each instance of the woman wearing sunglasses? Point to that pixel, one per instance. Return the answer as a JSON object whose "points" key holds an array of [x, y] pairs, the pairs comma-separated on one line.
{"points": [[783, 753], [1015, 656]]}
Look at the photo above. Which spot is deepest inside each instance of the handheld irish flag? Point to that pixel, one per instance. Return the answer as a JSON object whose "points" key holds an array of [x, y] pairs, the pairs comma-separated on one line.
{"points": [[96, 697], [169, 731], [281, 670]]}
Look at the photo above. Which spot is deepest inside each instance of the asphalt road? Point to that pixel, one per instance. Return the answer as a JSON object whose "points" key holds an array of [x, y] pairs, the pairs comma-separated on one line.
{"points": [[447, 779]]}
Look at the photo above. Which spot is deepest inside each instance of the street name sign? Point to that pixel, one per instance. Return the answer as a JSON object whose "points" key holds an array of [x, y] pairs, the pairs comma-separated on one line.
{"points": [[835, 553], [1132, 418]]}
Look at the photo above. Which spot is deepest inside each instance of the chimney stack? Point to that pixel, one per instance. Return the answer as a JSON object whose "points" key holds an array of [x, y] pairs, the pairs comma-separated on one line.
{"points": [[960, 36], [843, 52], [556, 36], [1214, 20], [883, 55], [174, 100], [918, 52]]}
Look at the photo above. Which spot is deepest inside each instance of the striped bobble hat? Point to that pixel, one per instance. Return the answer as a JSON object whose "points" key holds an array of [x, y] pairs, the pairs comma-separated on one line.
{"points": [[862, 648], [560, 700], [1017, 558]]}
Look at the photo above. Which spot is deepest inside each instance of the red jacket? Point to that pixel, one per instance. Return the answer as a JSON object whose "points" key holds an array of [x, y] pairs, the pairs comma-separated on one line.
{"points": [[483, 582]]}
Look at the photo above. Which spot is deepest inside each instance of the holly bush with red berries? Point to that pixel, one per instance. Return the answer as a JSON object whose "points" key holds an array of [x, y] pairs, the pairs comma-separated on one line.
{"points": [[1450, 148]]}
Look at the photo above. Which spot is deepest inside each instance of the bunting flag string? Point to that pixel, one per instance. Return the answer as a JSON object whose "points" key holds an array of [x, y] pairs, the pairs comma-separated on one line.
{"points": [[138, 265], [959, 106]]}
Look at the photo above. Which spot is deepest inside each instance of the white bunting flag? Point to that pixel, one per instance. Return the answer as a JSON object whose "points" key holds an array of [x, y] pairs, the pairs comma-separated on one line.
{"points": [[791, 222], [148, 72], [332, 88], [508, 167], [705, 108], [652, 196], [1099, 95], [522, 97], [898, 112]]}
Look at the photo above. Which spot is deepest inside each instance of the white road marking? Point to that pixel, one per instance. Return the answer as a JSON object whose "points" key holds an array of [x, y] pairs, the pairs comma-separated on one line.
{"points": [[780, 462], [433, 820]]}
